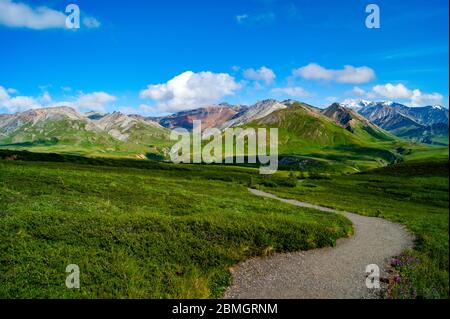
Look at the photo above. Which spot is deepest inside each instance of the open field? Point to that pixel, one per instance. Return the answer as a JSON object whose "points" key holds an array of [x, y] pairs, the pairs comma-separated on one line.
{"points": [[414, 193], [150, 229], [161, 231]]}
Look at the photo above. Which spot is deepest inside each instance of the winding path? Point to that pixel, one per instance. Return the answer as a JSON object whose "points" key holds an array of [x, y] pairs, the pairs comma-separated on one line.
{"points": [[332, 272]]}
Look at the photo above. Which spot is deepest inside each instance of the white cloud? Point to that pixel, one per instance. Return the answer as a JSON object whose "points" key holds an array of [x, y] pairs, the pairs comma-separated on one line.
{"points": [[262, 74], [349, 74], [91, 22], [191, 90], [96, 101], [357, 91], [16, 103], [241, 17], [313, 71], [331, 99], [235, 68], [391, 91], [3, 93], [16, 14], [21, 15], [66, 88], [422, 99], [256, 19], [20, 103], [401, 92], [293, 91], [12, 91], [46, 98]]}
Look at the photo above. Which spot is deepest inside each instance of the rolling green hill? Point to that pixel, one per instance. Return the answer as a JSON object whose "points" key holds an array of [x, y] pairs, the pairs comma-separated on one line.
{"points": [[311, 139], [334, 140], [63, 130]]}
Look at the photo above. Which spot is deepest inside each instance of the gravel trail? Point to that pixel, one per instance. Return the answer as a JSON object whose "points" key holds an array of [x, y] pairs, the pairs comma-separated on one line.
{"points": [[332, 272]]}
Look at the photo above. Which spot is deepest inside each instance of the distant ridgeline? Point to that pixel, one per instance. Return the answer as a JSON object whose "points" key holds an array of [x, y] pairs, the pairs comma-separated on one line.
{"points": [[343, 137]]}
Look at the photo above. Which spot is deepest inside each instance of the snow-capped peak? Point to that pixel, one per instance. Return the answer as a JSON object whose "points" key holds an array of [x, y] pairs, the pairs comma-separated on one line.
{"points": [[387, 103], [356, 104]]}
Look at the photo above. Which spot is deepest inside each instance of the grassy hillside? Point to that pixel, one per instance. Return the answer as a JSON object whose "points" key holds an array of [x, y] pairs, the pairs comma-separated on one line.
{"points": [[74, 137], [308, 140], [139, 229], [414, 193], [314, 139]]}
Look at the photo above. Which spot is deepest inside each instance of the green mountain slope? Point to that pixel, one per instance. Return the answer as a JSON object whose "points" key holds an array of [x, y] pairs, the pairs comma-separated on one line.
{"points": [[308, 138], [63, 130]]}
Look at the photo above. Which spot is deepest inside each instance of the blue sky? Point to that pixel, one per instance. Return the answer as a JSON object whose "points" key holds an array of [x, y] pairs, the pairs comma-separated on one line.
{"points": [[154, 57]]}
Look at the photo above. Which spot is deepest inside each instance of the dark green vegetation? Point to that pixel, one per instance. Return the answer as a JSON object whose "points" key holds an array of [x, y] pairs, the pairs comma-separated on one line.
{"points": [[414, 193], [139, 229]]}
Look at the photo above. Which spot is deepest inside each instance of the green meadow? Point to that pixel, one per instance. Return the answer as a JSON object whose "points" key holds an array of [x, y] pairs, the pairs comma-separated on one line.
{"points": [[149, 229], [154, 230], [413, 193]]}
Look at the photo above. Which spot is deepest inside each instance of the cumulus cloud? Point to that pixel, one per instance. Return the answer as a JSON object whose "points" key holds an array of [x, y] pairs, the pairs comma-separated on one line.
{"points": [[96, 101], [21, 15], [91, 22], [16, 14], [191, 90], [391, 91], [20, 103], [46, 98], [293, 91], [3, 93], [420, 99], [262, 74], [357, 91], [400, 92], [16, 103], [349, 74]]}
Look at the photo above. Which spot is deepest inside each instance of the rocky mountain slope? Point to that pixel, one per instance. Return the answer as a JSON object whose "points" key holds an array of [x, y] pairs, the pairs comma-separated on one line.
{"points": [[355, 123], [428, 124], [307, 137], [63, 128], [254, 112], [211, 116], [337, 134]]}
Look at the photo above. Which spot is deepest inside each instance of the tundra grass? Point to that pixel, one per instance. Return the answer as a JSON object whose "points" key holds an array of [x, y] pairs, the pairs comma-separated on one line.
{"points": [[139, 229], [414, 193]]}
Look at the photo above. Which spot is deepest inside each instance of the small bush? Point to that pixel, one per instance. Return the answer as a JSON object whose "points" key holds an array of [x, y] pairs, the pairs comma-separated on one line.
{"points": [[269, 183]]}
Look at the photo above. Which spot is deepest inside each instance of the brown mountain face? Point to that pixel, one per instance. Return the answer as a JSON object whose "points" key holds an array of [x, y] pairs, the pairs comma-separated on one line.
{"points": [[344, 117], [211, 116]]}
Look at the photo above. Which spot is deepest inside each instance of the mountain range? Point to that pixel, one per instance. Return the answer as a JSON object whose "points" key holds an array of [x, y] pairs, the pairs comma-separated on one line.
{"points": [[352, 136], [428, 124], [63, 129]]}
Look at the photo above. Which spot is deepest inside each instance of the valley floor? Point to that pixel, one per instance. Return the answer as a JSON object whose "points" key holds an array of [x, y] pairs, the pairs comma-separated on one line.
{"points": [[143, 229], [157, 231]]}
